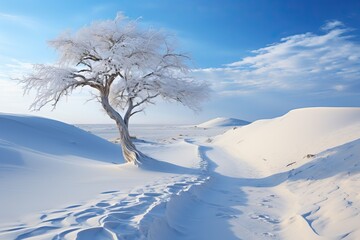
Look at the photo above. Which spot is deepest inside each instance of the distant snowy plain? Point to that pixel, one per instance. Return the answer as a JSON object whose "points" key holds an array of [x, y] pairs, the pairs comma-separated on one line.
{"points": [[292, 177]]}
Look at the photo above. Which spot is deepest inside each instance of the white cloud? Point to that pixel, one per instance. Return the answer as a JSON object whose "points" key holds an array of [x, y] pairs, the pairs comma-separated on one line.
{"points": [[307, 62], [19, 20], [339, 88], [13, 100], [13, 68], [10, 70], [332, 24]]}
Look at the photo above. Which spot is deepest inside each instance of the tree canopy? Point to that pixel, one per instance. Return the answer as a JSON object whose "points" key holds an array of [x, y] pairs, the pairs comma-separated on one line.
{"points": [[127, 64]]}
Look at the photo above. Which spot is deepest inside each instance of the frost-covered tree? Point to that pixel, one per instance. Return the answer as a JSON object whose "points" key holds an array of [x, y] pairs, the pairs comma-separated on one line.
{"points": [[127, 66]]}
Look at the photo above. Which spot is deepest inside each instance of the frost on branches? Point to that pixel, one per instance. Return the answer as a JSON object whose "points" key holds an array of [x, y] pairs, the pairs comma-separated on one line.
{"points": [[127, 65]]}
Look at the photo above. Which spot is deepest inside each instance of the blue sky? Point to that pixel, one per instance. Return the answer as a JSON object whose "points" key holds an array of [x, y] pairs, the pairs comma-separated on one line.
{"points": [[263, 58]]}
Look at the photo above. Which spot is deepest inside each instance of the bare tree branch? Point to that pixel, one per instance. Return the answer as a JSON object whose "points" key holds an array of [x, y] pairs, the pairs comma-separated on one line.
{"points": [[128, 66]]}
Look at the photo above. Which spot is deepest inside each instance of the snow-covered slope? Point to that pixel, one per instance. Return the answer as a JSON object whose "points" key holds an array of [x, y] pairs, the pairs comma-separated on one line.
{"points": [[48, 136], [293, 177], [311, 158], [42, 161], [222, 122], [275, 143], [60, 182]]}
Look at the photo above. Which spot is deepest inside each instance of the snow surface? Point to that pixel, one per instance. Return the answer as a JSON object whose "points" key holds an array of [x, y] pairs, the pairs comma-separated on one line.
{"points": [[222, 122], [305, 169], [292, 177], [42, 162]]}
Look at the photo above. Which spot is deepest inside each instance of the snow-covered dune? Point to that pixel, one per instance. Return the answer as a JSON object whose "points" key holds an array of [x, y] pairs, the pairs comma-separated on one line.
{"points": [[60, 182], [42, 162], [292, 177], [222, 122], [311, 158], [56, 138], [292, 138]]}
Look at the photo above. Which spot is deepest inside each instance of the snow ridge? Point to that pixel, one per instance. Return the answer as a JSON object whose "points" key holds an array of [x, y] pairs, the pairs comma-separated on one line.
{"points": [[223, 122]]}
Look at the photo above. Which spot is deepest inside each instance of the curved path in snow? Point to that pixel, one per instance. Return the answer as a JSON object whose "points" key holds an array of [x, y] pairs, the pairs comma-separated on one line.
{"points": [[118, 213], [223, 199], [240, 202], [231, 204], [205, 193], [293, 177]]}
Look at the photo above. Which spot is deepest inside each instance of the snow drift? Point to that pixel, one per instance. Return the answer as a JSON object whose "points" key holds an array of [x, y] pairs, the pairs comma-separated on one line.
{"points": [[53, 137], [294, 137], [42, 162], [60, 182], [312, 158], [292, 177], [222, 122]]}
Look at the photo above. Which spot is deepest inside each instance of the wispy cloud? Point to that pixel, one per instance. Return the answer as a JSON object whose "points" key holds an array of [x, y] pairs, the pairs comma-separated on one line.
{"points": [[332, 24], [311, 62], [11, 71], [19, 20], [13, 68]]}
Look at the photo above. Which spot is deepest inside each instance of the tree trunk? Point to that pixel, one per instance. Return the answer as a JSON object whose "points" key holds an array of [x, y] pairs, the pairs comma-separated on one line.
{"points": [[127, 114], [126, 121], [130, 153]]}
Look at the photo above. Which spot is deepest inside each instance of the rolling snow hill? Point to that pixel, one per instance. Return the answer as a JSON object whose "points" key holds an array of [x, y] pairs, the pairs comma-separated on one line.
{"points": [[293, 177], [222, 122], [273, 144], [60, 182], [41, 161], [312, 158], [46, 136]]}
